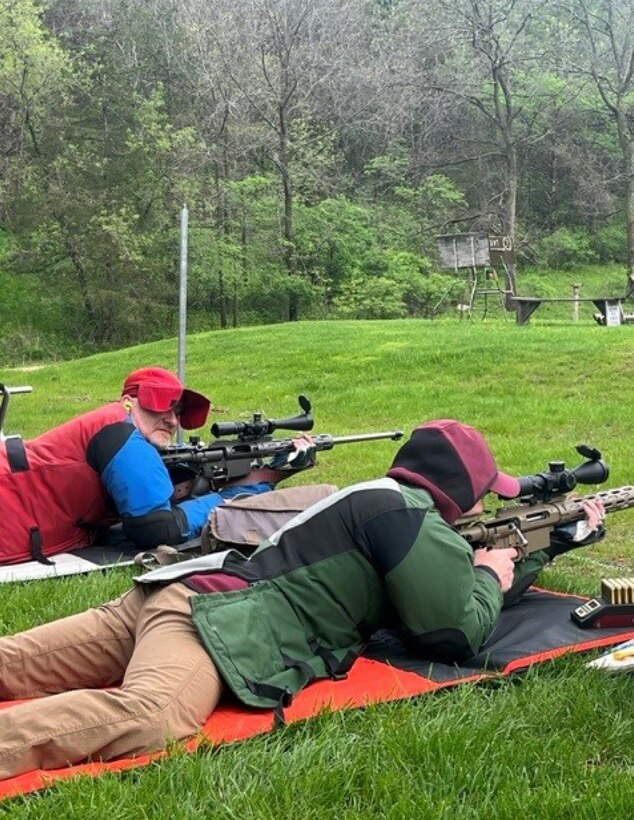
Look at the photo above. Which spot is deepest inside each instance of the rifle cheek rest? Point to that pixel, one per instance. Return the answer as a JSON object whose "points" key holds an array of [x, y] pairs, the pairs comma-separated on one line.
{"points": [[158, 527]]}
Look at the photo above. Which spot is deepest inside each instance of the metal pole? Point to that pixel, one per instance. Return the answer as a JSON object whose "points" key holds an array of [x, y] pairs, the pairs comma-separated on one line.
{"points": [[182, 305], [576, 291]]}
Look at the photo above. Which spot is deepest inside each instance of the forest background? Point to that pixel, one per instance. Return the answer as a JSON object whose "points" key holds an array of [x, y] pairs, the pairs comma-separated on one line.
{"points": [[320, 145]]}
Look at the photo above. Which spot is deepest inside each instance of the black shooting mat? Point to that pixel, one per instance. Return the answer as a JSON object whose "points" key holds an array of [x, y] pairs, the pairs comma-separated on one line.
{"points": [[539, 625]]}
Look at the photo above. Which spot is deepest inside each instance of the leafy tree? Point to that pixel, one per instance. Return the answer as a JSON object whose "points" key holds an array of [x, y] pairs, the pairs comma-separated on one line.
{"points": [[333, 239], [103, 230], [376, 298], [273, 53], [35, 77], [493, 48], [565, 249], [607, 28]]}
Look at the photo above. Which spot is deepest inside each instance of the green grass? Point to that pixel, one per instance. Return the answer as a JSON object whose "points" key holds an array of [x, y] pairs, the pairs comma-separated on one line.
{"points": [[594, 281], [556, 742]]}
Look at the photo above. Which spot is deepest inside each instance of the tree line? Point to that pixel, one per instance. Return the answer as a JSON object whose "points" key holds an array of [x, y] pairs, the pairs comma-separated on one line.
{"points": [[320, 145]]}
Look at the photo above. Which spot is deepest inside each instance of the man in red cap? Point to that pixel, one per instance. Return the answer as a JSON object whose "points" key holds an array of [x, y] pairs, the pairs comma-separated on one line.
{"points": [[151, 393], [104, 466], [378, 554]]}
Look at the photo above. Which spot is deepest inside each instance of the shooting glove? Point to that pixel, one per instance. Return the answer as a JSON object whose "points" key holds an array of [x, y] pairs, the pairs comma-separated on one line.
{"points": [[571, 536]]}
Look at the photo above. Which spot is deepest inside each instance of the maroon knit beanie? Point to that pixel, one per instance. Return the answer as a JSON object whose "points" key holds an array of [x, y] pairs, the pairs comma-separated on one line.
{"points": [[454, 463]]}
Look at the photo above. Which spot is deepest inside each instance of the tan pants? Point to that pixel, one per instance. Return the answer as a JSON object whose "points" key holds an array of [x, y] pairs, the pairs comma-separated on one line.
{"points": [[144, 640]]}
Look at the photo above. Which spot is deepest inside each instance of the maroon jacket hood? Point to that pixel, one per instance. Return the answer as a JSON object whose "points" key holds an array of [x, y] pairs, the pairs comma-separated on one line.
{"points": [[453, 462]]}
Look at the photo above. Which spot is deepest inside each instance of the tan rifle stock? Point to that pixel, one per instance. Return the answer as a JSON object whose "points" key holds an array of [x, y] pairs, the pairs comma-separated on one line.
{"points": [[528, 527]]}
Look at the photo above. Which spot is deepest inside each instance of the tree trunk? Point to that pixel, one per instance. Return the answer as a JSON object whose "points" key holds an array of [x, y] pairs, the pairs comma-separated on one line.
{"points": [[626, 140], [221, 228], [82, 280], [510, 214], [553, 190], [222, 302], [629, 209]]}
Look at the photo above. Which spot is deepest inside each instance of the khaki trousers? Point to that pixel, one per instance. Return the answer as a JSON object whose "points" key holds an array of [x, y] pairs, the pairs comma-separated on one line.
{"points": [[144, 640]]}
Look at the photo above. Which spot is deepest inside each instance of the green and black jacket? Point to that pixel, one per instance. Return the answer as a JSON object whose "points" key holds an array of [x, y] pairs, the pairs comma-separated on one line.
{"points": [[373, 555]]}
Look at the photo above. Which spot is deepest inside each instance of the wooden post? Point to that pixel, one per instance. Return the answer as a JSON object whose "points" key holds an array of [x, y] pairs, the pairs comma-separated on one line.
{"points": [[576, 292]]}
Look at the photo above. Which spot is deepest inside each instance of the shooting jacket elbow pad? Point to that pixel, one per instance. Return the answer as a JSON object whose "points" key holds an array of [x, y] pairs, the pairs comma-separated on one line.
{"points": [[443, 645], [155, 528]]}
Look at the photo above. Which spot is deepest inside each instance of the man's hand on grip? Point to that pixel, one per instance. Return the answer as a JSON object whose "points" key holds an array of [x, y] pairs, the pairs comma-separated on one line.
{"points": [[501, 562]]}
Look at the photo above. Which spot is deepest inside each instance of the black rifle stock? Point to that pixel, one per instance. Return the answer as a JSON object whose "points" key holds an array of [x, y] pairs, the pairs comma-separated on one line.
{"points": [[210, 466], [528, 527]]}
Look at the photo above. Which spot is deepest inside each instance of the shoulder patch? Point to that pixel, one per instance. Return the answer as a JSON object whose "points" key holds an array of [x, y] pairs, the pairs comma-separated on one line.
{"points": [[388, 537], [105, 444]]}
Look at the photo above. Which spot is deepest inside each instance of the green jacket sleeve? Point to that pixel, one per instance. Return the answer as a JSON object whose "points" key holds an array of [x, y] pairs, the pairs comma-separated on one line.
{"points": [[446, 606]]}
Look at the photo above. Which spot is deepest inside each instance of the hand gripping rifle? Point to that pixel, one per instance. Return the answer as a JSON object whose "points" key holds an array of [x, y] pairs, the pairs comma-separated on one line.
{"points": [[210, 466], [543, 505]]}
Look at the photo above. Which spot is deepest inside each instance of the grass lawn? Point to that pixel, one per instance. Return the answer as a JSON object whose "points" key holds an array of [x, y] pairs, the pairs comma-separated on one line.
{"points": [[557, 742]]}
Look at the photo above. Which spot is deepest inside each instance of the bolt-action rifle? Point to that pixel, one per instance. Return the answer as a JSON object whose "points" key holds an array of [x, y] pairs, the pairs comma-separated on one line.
{"points": [[201, 467], [5, 396], [544, 505]]}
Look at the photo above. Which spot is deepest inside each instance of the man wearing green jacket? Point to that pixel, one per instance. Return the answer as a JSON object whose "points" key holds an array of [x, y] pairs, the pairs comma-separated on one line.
{"points": [[378, 554]]}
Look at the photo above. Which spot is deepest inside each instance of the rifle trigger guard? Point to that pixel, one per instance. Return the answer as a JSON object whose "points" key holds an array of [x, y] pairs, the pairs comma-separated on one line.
{"points": [[523, 543]]}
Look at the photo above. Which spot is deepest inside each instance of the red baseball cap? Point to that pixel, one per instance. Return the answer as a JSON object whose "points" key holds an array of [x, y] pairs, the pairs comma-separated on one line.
{"points": [[454, 463], [160, 390]]}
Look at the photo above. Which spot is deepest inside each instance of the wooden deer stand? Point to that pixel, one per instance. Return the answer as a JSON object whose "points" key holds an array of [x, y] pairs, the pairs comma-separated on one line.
{"points": [[480, 256]]}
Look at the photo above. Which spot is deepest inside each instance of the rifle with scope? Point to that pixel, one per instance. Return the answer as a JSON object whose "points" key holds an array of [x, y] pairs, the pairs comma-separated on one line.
{"points": [[543, 505], [201, 467], [5, 397]]}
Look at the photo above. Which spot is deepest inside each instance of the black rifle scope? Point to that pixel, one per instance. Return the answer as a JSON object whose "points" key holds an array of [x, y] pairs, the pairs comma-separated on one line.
{"points": [[558, 480], [259, 427]]}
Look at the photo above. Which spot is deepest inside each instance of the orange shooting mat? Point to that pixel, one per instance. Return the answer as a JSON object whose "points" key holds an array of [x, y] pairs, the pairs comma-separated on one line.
{"points": [[538, 629]]}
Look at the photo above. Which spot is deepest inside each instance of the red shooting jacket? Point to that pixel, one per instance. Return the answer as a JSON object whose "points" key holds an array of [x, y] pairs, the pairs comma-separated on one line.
{"points": [[58, 494]]}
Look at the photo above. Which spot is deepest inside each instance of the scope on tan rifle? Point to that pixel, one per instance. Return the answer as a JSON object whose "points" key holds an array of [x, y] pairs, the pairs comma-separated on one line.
{"points": [[557, 480]]}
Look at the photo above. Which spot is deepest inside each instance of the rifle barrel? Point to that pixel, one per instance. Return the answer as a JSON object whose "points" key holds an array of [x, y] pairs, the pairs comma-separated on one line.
{"points": [[394, 435], [232, 450], [13, 391]]}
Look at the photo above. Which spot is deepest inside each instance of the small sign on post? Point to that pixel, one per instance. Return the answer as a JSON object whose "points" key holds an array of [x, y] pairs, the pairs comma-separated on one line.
{"points": [[612, 312], [501, 251]]}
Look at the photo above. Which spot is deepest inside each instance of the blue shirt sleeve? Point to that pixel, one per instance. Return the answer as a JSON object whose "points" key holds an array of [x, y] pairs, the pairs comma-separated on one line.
{"points": [[136, 478], [197, 510], [139, 484]]}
